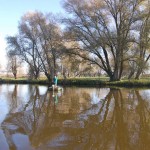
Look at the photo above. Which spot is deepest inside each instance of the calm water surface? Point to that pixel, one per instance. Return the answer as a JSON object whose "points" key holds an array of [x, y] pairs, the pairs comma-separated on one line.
{"points": [[33, 118]]}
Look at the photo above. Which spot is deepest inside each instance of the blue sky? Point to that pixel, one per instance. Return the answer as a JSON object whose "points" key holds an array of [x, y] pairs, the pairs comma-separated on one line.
{"points": [[12, 10]]}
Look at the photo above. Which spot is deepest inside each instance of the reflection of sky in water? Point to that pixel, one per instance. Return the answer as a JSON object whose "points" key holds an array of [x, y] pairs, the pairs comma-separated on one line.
{"points": [[22, 97], [96, 97], [42, 90], [145, 94], [4, 108], [21, 141], [7, 88], [3, 142], [22, 90]]}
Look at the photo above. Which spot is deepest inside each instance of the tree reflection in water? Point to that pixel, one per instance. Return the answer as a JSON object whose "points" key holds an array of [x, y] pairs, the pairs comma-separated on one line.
{"points": [[125, 124], [69, 120]]}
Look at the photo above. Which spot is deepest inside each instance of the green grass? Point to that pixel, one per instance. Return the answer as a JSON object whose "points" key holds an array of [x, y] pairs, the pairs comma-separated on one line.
{"points": [[131, 83], [23, 81], [83, 81]]}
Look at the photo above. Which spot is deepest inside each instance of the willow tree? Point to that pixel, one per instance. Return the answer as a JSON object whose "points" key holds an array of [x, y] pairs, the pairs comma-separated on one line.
{"points": [[104, 29], [38, 42]]}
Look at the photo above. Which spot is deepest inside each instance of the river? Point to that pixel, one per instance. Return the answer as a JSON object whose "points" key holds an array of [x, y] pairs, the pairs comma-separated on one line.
{"points": [[34, 118]]}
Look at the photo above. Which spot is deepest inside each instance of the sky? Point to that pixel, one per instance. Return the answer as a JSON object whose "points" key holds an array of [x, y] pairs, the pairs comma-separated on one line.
{"points": [[11, 12]]}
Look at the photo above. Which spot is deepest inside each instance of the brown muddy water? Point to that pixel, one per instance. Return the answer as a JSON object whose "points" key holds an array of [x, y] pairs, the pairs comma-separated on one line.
{"points": [[33, 118]]}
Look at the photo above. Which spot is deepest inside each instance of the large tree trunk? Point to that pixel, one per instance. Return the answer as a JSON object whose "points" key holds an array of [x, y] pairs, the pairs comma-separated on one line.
{"points": [[116, 75], [138, 74], [49, 77], [36, 75]]}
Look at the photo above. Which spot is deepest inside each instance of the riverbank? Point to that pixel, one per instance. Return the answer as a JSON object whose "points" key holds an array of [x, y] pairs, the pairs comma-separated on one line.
{"points": [[91, 81], [105, 82]]}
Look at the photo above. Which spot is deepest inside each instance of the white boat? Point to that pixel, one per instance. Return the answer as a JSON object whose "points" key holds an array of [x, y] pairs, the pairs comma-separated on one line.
{"points": [[55, 88]]}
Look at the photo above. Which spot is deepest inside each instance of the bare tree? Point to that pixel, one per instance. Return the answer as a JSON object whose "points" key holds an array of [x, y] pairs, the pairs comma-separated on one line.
{"points": [[104, 29], [25, 50], [13, 63], [143, 45], [140, 51], [38, 42]]}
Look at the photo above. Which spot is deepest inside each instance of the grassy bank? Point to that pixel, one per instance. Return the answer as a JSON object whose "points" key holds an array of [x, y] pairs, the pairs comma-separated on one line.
{"points": [[106, 82], [91, 81], [23, 81]]}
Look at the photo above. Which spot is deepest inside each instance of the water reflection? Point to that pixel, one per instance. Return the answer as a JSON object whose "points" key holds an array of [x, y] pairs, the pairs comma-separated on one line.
{"points": [[121, 123], [75, 118]]}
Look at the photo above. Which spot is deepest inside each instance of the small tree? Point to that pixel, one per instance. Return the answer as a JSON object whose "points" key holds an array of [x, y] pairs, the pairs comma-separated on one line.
{"points": [[13, 63]]}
